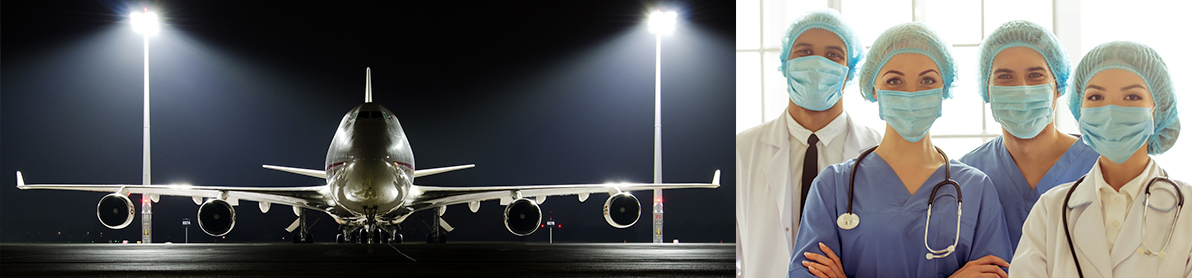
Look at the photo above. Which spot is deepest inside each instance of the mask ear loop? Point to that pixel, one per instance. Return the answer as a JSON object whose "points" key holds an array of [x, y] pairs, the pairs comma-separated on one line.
{"points": [[936, 254]]}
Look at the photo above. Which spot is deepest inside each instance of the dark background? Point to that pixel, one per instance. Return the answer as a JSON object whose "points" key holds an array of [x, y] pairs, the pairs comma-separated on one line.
{"points": [[533, 92]]}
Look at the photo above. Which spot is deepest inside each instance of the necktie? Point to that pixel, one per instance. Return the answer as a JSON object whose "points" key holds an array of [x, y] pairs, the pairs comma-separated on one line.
{"points": [[810, 168]]}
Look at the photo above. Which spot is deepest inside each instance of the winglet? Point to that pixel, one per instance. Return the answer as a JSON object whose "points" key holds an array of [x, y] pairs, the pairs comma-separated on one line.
{"points": [[367, 85], [20, 180], [716, 178]]}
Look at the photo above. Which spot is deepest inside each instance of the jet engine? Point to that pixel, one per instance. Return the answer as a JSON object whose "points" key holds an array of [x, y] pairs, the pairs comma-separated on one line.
{"points": [[522, 217], [622, 210], [115, 211], [216, 217]]}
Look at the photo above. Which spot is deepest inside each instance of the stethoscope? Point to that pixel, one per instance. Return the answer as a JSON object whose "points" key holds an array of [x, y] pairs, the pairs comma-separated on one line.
{"points": [[850, 220], [1146, 203]]}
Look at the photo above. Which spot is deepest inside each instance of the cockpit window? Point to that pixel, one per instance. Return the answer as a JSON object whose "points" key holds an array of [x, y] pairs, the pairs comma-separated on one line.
{"points": [[376, 114]]}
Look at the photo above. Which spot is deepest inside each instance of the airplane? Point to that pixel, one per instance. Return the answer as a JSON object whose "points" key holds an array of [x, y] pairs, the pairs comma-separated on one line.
{"points": [[369, 189]]}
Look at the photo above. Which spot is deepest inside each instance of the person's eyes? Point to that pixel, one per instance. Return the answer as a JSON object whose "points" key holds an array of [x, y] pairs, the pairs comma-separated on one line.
{"points": [[1133, 97], [927, 81], [1093, 97], [894, 81], [1035, 75], [1005, 76]]}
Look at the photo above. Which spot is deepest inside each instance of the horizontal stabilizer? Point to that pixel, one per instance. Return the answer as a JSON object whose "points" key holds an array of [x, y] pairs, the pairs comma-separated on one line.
{"points": [[307, 172]]}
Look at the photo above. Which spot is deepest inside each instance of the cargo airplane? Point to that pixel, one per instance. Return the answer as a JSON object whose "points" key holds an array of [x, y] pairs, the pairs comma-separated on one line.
{"points": [[369, 173]]}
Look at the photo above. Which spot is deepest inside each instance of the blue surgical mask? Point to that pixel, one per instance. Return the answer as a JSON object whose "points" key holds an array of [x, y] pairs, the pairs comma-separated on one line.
{"points": [[1116, 132], [1022, 110], [814, 82], [911, 114]]}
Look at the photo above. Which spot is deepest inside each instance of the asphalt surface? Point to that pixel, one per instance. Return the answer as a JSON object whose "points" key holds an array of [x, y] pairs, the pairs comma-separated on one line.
{"points": [[340, 260]]}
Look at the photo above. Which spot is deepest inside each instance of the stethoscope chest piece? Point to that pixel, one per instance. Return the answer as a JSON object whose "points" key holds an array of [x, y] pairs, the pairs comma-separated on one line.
{"points": [[848, 221]]}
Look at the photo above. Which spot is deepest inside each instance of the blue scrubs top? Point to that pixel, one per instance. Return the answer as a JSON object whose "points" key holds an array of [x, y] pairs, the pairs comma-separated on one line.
{"points": [[1015, 193], [888, 242]]}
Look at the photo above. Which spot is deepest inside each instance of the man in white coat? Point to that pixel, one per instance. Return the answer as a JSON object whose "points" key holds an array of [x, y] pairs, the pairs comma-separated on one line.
{"points": [[777, 161], [1124, 218]]}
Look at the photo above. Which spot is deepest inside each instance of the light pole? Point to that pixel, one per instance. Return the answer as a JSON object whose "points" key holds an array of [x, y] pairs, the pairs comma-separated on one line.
{"points": [[661, 23], [145, 23]]}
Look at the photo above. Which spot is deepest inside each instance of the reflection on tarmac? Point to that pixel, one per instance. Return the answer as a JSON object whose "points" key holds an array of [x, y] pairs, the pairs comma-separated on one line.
{"points": [[337, 260]]}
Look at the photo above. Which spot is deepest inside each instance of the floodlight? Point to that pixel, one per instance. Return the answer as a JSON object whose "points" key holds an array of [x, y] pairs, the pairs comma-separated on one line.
{"points": [[145, 22], [662, 22]]}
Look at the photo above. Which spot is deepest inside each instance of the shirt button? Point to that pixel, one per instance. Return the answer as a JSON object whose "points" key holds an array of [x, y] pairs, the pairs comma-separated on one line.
{"points": [[1115, 223], [788, 229]]}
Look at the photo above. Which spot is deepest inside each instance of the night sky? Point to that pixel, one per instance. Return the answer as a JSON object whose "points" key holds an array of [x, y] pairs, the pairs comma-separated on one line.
{"points": [[532, 92]]}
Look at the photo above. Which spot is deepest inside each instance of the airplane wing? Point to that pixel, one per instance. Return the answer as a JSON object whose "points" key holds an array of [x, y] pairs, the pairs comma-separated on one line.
{"points": [[437, 196], [305, 197]]}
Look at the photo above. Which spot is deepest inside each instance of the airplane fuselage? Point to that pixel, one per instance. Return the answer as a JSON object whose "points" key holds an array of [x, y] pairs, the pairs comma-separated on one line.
{"points": [[369, 164]]}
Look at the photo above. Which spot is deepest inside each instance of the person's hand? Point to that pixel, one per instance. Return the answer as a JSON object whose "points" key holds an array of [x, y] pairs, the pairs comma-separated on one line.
{"points": [[987, 266], [824, 266]]}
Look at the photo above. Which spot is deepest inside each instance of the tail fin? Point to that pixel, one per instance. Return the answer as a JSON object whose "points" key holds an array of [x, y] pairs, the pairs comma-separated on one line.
{"points": [[367, 85]]}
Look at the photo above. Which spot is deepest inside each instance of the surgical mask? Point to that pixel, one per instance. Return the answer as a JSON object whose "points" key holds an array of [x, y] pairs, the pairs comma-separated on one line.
{"points": [[911, 114], [814, 82], [1116, 132], [1022, 110]]}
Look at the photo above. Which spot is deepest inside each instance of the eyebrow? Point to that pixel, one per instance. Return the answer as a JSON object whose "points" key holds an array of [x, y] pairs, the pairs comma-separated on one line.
{"points": [[1091, 86], [1127, 88], [894, 72], [1003, 70], [926, 71], [802, 44], [836, 48], [1036, 68]]}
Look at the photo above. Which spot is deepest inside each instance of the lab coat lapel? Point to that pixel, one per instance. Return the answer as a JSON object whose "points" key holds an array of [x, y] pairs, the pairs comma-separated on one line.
{"points": [[1088, 232], [1131, 236], [777, 169]]}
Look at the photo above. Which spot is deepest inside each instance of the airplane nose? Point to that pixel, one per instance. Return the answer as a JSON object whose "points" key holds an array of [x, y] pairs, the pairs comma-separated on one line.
{"points": [[370, 184]]}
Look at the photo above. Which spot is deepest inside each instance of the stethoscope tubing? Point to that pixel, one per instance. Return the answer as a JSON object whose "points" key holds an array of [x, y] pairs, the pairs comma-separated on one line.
{"points": [[1179, 207]]}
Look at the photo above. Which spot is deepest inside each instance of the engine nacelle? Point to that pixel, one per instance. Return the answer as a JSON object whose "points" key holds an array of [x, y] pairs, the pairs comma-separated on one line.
{"points": [[115, 211], [622, 210], [522, 217], [216, 217]]}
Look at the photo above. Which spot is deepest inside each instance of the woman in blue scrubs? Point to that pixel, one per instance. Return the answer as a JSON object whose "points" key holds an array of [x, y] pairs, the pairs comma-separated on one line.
{"points": [[1023, 70], [878, 222]]}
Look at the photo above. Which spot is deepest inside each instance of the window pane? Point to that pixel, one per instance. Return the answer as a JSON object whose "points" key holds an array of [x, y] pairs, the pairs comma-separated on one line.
{"points": [[749, 91], [962, 113], [861, 110], [776, 97], [958, 21], [748, 24], [780, 14], [870, 17], [1001, 11], [957, 147]]}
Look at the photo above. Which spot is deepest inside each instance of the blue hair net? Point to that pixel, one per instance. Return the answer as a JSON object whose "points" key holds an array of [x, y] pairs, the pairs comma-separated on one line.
{"points": [[912, 37], [830, 20], [1022, 33], [1144, 62]]}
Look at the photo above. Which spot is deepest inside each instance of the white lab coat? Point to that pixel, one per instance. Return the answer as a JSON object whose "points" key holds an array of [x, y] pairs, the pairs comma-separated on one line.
{"points": [[763, 166], [1043, 249]]}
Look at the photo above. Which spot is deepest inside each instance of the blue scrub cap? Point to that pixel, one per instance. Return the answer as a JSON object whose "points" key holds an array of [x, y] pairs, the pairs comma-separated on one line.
{"points": [[912, 37], [1022, 33], [1144, 62], [830, 20]]}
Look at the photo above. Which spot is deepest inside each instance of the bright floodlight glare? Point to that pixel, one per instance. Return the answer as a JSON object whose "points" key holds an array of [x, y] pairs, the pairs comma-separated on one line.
{"points": [[662, 22], [145, 22]]}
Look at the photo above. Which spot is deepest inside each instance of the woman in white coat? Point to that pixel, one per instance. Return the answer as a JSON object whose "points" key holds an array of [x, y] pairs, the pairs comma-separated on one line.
{"points": [[1124, 218]]}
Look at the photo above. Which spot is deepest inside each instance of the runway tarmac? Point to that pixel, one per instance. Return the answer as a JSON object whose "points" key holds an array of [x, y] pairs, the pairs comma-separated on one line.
{"points": [[339, 260]]}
